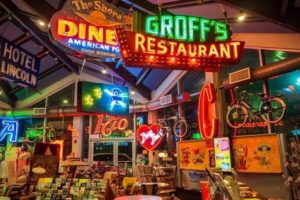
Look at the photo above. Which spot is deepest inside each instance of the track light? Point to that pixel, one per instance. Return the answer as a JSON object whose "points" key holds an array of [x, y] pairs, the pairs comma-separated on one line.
{"points": [[41, 23]]}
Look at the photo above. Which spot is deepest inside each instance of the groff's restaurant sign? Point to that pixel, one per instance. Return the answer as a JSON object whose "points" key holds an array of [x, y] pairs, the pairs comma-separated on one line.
{"points": [[18, 65], [87, 27], [180, 42]]}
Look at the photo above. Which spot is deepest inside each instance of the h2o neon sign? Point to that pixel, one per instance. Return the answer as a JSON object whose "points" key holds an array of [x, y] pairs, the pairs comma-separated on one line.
{"points": [[10, 128], [208, 124]]}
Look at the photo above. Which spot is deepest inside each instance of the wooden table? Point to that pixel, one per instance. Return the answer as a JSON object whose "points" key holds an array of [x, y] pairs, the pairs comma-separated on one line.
{"points": [[160, 171], [139, 197], [158, 184], [74, 165]]}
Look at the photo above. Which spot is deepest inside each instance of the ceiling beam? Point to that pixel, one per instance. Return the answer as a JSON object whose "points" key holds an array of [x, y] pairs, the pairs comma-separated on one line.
{"points": [[167, 84], [145, 6], [142, 75], [22, 39], [43, 8], [130, 79], [184, 3], [36, 32], [269, 10], [41, 76]]}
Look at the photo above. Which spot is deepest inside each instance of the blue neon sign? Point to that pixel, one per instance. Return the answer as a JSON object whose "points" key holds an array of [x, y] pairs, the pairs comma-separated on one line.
{"points": [[104, 98], [10, 127]]}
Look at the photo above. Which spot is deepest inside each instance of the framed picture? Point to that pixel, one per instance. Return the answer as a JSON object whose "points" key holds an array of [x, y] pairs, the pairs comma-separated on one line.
{"points": [[196, 155], [257, 154]]}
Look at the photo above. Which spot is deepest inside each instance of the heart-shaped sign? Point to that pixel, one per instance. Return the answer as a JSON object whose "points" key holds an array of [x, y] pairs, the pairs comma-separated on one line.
{"points": [[149, 137]]}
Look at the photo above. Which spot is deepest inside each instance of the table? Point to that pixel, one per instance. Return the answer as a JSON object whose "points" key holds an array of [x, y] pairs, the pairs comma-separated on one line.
{"points": [[139, 197], [158, 184], [160, 171], [74, 165]]}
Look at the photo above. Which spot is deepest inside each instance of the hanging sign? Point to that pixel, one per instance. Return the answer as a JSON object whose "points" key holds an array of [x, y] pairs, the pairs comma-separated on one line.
{"points": [[106, 124], [208, 124], [87, 27], [149, 136], [10, 129], [103, 98], [180, 42], [18, 65]]}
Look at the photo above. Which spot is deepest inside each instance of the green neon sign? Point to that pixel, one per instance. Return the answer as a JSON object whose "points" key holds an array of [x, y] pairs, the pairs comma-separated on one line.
{"points": [[187, 28]]}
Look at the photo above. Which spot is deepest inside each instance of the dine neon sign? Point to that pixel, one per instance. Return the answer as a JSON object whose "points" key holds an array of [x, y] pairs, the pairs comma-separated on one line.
{"points": [[187, 28], [84, 37]]}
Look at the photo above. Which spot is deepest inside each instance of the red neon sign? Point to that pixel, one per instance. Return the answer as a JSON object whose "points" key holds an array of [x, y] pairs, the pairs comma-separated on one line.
{"points": [[149, 137], [142, 50], [106, 124], [208, 124]]}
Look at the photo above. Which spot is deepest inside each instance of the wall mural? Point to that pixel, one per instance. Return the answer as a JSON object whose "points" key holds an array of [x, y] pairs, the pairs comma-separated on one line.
{"points": [[257, 154]]}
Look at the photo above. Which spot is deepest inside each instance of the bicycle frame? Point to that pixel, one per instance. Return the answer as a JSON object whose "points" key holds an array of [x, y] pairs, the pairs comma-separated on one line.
{"points": [[251, 109]]}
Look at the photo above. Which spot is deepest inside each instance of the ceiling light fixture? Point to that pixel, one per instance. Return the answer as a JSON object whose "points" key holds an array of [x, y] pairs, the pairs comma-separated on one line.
{"points": [[132, 92], [41, 23], [104, 70], [242, 16]]}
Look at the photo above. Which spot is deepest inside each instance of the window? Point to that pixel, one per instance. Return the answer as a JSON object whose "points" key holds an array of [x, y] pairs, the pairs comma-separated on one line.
{"points": [[65, 97]]}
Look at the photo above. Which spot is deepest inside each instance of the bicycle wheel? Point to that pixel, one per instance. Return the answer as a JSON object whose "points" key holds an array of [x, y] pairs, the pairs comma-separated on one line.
{"points": [[163, 126], [275, 110], [180, 128], [237, 116]]}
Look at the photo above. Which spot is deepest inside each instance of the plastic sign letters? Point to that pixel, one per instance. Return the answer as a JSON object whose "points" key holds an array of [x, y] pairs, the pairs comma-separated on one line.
{"points": [[187, 28], [149, 137], [208, 124], [10, 127]]}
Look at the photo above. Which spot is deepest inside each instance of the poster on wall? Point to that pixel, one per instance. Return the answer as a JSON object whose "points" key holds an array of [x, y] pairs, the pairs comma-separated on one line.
{"points": [[256, 154], [222, 153], [18, 65], [196, 155], [103, 98]]}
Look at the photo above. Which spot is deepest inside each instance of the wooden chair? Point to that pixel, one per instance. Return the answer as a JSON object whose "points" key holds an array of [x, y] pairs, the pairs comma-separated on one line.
{"points": [[128, 183], [146, 173], [150, 189]]}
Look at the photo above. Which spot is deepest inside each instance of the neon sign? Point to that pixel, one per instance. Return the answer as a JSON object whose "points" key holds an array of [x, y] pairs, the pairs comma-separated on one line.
{"points": [[141, 50], [208, 124], [149, 137], [187, 28], [105, 124], [87, 27], [10, 127], [104, 98]]}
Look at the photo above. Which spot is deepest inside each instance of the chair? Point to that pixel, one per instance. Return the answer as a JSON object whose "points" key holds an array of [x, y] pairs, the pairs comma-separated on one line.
{"points": [[109, 175], [128, 183], [146, 173], [150, 189]]}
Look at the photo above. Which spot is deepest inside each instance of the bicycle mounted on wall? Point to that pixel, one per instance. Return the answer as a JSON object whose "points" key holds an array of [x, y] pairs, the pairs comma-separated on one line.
{"points": [[271, 109], [175, 124]]}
